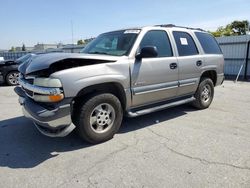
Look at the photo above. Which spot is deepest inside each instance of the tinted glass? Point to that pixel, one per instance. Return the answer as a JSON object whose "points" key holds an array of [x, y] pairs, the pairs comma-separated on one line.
{"points": [[185, 44], [116, 43], [208, 43], [160, 40]]}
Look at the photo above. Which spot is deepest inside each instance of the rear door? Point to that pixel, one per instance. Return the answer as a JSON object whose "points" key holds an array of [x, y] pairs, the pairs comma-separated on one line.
{"points": [[190, 63], [155, 79]]}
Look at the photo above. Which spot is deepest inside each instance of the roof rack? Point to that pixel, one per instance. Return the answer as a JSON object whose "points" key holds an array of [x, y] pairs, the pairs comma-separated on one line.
{"points": [[172, 25]]}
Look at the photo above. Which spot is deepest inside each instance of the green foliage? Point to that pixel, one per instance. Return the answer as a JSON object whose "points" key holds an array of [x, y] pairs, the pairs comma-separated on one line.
{"points": [[23, 48], [80, 42], [88, 40], [12, 49], [85, 41], [240, 27], [232, 29]]}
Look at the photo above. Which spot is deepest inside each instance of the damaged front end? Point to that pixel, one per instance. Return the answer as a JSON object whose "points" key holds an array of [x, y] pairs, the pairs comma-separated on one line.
{"points": [[43, 102], [42, 96]]}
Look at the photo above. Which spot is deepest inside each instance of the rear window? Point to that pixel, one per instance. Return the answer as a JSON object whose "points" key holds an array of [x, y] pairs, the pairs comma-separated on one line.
{"points": [[185, 44], [208, 43]]}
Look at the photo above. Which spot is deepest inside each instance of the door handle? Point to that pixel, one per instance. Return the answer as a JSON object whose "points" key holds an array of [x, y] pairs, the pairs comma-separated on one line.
{"points": [[199, 63], [173, 65]]}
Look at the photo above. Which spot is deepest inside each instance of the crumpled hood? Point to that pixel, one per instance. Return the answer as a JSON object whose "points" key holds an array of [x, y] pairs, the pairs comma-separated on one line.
{"points": [[44, 61]]}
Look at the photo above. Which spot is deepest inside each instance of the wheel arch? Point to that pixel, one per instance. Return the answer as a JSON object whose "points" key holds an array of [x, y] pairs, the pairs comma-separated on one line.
{"points": [[212, 74], [109, 87]]}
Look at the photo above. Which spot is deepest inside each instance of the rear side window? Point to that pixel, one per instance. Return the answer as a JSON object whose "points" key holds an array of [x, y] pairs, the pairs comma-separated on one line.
{"points": [[208, 43], [185, 44], [160, 40]]}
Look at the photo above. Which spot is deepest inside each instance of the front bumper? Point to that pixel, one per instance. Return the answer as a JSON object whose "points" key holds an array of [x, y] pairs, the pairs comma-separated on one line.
{"points": [[54, 122]]}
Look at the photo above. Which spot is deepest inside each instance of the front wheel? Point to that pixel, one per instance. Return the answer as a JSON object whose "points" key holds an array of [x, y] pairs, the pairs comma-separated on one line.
{"points": [[204, 94], [12, 78], [99, 118]]}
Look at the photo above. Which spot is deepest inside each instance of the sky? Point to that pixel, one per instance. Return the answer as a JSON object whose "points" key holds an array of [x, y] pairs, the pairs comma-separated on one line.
{"points": [[49, 21]]}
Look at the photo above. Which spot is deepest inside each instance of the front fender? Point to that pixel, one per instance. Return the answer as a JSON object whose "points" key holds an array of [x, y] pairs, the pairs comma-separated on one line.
{"points": [[76, 79]]}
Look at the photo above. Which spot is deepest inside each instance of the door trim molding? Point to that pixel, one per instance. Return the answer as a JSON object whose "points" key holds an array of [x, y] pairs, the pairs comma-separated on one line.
{"points": [[188, 82], [155, 87]]}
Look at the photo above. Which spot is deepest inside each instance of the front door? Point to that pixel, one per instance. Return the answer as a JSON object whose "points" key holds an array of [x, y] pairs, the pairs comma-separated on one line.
{"points": [[154, 79]]}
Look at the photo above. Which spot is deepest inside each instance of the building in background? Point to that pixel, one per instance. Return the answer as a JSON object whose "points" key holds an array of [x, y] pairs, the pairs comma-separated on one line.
{"points": [[236, 51], [18, 49], [42, 46], [73, 48]]}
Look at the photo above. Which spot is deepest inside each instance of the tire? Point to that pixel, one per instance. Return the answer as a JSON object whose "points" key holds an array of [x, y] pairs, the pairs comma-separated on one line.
{"points": [[204, 94], [12, 78], [98, 118]]}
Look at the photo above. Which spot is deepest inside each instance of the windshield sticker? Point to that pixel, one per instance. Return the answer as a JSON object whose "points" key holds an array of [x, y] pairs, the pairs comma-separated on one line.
{"points": [[136, 31], [184, 41]]}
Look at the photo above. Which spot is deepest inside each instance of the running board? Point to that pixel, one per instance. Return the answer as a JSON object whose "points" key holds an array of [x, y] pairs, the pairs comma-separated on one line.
{"points": [[158, 108]]}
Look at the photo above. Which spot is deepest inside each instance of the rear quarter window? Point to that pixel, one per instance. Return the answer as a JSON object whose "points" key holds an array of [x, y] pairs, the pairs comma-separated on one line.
{"points": [[208, 43]]}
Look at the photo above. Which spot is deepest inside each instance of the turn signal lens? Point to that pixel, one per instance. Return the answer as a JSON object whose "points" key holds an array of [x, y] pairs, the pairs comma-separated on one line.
{"points": [[56, 98], [48, 98]]}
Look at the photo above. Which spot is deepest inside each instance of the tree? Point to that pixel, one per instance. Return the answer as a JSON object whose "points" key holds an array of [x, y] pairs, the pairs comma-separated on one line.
{"points": [[12, 49], [234, 28], [88, 40], [23, 48], [240, 27], [80, 42]]}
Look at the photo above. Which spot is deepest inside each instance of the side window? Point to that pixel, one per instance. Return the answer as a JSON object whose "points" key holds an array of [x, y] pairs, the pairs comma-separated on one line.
{"points": [[208, 43], [185, 44], [160, 40]]}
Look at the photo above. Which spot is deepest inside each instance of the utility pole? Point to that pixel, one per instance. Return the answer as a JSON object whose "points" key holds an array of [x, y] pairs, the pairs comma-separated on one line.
{"points": [[72, 36], [72, 32]]}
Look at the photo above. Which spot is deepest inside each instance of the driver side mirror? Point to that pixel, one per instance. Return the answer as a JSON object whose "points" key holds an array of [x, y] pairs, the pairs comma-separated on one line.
{"points": [[147, 52]]}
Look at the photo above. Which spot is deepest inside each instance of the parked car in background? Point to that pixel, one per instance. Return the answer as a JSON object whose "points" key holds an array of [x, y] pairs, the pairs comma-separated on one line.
{"points": [[1, 59], [8, 69]]}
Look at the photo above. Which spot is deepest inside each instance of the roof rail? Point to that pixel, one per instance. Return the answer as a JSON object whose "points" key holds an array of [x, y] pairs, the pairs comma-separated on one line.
{"points": [[172, 25]]}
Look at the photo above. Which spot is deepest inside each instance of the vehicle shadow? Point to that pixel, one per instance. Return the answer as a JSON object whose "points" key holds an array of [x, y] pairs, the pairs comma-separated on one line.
{"points": [[131, 124], [4, 85], [22, 146]]}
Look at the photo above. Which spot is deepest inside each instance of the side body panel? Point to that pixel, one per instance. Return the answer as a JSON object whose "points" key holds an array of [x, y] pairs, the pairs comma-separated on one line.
{"points": [[189, 74], [152, 80], [189, 70], [76, 79]]}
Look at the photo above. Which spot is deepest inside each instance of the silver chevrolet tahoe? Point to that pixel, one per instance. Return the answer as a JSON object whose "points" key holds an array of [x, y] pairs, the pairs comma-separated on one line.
{"points": [[128, 72]]}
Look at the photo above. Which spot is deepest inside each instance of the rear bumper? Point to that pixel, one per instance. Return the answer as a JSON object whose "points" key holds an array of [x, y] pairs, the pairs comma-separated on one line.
{"points": [[220, 79], [53, 122]]}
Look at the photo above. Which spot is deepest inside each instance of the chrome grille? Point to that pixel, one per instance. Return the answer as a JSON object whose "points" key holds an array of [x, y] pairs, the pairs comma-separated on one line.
{"points": [[30, 89], [29, 80]]}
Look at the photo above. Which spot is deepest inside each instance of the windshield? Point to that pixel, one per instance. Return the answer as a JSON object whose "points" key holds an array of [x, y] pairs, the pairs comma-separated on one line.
{"points": [[116, 43]]}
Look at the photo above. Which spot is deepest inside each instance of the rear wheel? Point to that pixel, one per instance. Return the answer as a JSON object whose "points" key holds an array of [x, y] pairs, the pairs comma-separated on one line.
{"points": [[204, 94], [99, 118], [12, 78]]}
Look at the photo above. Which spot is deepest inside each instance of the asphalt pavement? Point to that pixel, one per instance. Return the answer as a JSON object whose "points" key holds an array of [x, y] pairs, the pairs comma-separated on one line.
{"points": [[177, 147]]}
